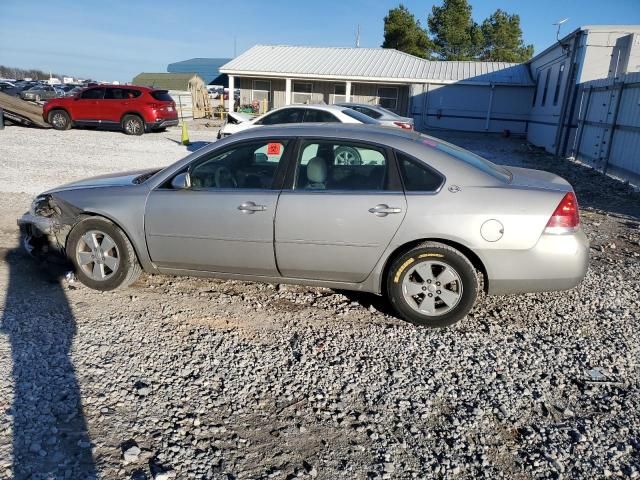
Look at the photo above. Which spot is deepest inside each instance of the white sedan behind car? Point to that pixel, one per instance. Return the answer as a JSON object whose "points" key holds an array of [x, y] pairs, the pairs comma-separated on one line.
{"points": [[238, 122]]}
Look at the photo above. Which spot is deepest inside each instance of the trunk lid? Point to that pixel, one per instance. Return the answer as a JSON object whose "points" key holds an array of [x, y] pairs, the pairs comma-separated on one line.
{"points": [[527, 177]]}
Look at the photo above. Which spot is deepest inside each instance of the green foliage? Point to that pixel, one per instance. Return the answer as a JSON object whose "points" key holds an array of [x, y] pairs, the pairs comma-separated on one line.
{"points": [[403, 32], [455, 34], [503, 39]]}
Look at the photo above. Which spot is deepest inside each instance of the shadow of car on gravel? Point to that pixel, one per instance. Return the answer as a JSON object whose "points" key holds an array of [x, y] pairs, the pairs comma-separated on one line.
{"points": [[191, 146], [50, 437]]}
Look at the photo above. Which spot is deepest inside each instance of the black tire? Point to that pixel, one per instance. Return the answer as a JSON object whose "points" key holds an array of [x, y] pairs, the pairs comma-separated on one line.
{"points": [[128, 269], [59, 119], [441, 254], [132, 125]]}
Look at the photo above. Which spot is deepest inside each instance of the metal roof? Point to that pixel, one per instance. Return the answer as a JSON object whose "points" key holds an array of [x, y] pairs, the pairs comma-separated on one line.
{"points": [[207, 68], [168, 81], [369, 64]]}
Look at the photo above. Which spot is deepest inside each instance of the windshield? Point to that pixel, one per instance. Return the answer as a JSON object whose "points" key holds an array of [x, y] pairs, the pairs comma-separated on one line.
{"points": [[468, 157], [361, 117]]}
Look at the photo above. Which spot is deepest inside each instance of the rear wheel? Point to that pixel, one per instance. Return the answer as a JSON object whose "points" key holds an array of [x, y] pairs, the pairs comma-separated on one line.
{"points": [[433, 285], [132, 125], [59, 119], [102, 255]]}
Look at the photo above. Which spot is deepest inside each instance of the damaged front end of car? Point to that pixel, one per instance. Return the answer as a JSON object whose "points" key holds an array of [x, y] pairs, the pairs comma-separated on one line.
{"points": [[44, 229]]}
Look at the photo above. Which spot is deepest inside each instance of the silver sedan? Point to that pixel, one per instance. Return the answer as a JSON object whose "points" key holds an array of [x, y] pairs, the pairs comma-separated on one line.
{"points": [[364, 208]]}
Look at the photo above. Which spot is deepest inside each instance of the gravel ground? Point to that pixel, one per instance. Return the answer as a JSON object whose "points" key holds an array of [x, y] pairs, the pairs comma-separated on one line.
{"points": [[196, 378]]}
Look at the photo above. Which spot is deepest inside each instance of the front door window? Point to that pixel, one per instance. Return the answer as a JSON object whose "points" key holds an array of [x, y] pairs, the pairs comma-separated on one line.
{"points": [[249, 165]]}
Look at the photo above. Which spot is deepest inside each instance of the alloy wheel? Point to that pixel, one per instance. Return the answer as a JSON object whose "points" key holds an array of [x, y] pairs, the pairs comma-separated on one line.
{"points": [[432, 288], [132, 126], [97, 255]]}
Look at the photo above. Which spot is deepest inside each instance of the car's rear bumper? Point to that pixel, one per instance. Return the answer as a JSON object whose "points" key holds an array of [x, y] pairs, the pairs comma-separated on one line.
{"points": [[557, 262], [163, 123]]}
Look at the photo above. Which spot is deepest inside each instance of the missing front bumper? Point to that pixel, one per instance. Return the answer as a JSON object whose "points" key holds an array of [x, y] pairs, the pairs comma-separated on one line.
{"points": [[40, 236]]}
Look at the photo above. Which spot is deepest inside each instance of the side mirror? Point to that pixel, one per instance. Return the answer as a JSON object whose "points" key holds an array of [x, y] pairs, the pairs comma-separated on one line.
{"points": [[181, 181]]}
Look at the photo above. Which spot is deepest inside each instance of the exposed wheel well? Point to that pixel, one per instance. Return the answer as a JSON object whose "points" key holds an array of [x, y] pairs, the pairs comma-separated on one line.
{"points": [[467, 252]]}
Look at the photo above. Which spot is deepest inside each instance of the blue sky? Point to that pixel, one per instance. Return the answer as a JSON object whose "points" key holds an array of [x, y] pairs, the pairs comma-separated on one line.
{"points": [[116, 39]]}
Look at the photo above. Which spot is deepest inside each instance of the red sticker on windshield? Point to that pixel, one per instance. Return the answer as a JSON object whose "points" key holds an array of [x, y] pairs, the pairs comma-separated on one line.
{"points": [[273, 149]]}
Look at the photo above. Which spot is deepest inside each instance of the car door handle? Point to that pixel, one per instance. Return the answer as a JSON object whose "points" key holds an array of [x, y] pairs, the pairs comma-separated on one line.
{"points": [[251, 207], [383, 210]]}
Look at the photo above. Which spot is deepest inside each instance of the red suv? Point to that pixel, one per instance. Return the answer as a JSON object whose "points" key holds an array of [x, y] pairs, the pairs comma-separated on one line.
{"points": [[130, 108]]}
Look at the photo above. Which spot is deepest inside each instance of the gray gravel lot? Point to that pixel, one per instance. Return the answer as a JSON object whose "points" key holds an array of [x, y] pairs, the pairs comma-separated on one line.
{"points": [[196, 378]]}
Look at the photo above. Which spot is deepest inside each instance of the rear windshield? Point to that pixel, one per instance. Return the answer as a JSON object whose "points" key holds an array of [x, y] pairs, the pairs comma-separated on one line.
{"points": [[162, 95], [361, 117], [469, 158]]}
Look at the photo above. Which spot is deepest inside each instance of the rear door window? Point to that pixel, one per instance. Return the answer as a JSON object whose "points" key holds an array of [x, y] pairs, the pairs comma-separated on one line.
{"points": [[93, 94], [312, 115], [287, 115], [341, 165], [114, 94]]}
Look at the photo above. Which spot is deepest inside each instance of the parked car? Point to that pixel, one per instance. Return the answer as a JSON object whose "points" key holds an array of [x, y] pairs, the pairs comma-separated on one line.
{"points": [[39, 92], [416, 219], [73, 91], [132, 109], [237, 122], [6, 86], [384, 116]]}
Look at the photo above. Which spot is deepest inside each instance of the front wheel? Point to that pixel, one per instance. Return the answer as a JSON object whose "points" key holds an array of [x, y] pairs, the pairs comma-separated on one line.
{"points": [[102, 255], [433, 285], [59, 119]]}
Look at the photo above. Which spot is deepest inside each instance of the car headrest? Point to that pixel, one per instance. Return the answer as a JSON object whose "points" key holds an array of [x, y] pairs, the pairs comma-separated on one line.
{"points": [[317, 170]]}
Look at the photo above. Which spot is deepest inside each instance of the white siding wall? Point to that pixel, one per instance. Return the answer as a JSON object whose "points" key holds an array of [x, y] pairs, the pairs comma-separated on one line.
{"points": [[465, 107], [594, 59]]}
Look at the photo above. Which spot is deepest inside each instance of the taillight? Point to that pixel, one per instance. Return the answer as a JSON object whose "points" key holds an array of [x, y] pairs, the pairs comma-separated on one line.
{"points": [[566, 217], [405, 125]]}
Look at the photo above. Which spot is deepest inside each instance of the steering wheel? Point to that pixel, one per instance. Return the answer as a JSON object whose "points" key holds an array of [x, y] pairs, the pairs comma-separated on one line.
{"points": [[224, 178]]}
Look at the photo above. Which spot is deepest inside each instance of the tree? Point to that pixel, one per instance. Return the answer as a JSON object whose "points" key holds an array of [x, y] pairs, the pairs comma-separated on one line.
{"points": [[403, 32], [503, 39], [455, 35]]}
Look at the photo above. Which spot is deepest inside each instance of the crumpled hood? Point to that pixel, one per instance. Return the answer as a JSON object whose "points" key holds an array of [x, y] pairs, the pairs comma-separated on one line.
{"points": [[121, 179]]}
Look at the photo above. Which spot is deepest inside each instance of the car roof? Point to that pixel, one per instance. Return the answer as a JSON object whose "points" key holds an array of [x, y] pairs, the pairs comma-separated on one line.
{"points": [[108, 85], [356, 104], [356, 131], [316, 106]]}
